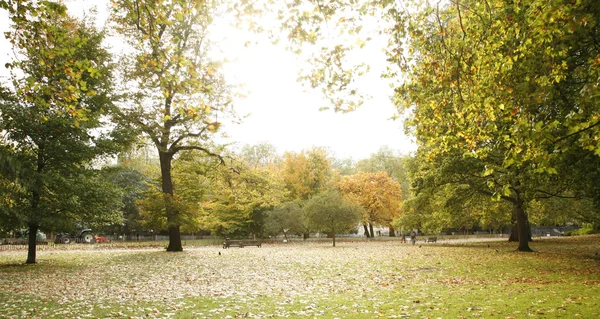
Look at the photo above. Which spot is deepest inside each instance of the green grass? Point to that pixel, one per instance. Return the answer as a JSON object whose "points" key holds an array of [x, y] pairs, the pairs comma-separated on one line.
{"points": [[387, 279]]}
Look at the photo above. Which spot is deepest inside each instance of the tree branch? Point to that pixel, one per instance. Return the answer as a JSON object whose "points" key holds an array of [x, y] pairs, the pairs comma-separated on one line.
{"points": [[575, 133], [174, 150], [178, 140], [460, 19], [137, 22]]}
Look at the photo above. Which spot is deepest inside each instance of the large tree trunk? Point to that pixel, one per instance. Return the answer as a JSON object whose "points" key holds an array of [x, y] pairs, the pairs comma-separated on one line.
{"points": [[522, 225], [371, 229], [333, 239], [514, 231], [32, 248], [174, 239], [306, 235], [392, 231], [366, 230], [171, 211], [35, 204]]}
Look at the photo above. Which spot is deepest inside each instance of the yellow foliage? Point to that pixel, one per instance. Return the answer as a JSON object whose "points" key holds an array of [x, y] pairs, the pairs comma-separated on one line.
{"points": [[378, 194]]}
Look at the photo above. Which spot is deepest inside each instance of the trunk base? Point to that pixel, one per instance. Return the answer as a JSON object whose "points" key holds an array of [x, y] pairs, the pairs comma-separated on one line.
{"points": [[525, 249], [32, 244], [174, 240]]}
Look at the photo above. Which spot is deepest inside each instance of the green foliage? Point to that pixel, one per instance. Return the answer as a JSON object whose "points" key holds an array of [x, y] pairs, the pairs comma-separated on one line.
{"points": [[586, 229], [507, 88], [330, 212], [174, 90], [51, 115], [289, 218], [238, 199], [131, 184]]}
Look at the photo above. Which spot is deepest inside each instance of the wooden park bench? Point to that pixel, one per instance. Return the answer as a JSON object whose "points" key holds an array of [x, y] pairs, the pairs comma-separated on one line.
{"points": [[241, 243], [431, 240]]}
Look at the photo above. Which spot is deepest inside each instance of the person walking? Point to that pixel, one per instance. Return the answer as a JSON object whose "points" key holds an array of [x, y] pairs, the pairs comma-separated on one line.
{"points": [[413, 237]]}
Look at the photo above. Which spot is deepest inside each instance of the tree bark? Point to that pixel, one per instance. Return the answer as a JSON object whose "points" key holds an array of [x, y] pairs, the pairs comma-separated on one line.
{"points": [[306, 235], [522, 225], [35, 204], [172, 212], [366, 230], [514, 233], [174, 239], [392, 231], [333, 239], [32, 244], [371, 228]]}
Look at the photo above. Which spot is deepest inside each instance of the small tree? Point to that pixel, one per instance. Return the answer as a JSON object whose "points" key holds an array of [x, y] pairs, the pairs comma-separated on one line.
{"points": [[288, 218], [329, 212]]}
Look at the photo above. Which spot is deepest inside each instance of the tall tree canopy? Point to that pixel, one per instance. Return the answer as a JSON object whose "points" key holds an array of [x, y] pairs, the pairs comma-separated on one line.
{"points": [[175, 90], [509, 87], [505, 86], [306, 173], [51, 115]]}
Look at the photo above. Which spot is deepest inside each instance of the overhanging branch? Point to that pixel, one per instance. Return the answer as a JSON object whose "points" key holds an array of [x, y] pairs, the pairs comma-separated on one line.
{"points": [[174, 150], [577, 132]]}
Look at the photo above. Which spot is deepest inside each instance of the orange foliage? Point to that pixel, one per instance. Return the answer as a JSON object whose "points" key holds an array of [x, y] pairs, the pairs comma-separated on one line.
{"points": [[378, 194]]}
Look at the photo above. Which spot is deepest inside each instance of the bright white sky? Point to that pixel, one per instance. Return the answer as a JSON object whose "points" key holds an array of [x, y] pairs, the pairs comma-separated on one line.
{"points": [[281, 111]]}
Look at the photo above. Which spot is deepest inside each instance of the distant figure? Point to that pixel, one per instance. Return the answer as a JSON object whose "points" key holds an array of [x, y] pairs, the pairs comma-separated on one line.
{"points": [[413, 237]]}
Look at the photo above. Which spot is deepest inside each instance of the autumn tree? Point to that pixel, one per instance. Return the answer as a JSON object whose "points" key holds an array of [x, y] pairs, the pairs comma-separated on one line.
{"points": [[378, 195], [510, 84], [391, 162], [51, 115], [510, 88], [175, 90], [306, 173], [239, 198], [330, 212]]}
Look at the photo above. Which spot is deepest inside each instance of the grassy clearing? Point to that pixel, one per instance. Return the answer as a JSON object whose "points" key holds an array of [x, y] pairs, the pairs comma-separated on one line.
{"points": [[356, 280]]}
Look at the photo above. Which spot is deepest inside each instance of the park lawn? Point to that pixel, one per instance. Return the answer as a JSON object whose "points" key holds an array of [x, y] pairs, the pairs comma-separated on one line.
{"points": [[386, 279]]}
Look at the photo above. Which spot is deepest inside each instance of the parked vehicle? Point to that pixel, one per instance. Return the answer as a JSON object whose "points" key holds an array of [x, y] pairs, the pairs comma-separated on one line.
{"points": [[101, 239], [22, 238], [84, 235]]}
